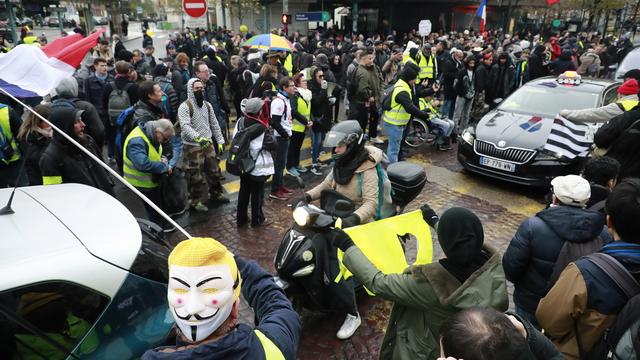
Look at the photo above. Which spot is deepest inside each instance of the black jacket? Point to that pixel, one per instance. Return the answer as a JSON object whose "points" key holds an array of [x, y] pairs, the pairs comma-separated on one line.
{"points": [[320, 107], [504, 80], [65, 160], [529, 259], [90, 117], [536, 65], [144, 111], [94, 93], [562, 64], [623, 143], [449, 73], [32, 148]]}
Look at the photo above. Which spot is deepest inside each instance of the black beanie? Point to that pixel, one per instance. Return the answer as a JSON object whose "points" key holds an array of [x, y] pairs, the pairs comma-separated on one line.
{"points": [[633, 74], [413, 52], [409, 72], [160, 70], [460, 235]]}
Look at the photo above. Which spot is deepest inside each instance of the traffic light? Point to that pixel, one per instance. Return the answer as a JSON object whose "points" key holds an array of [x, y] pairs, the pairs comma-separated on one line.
{"points": [[286, 19]]}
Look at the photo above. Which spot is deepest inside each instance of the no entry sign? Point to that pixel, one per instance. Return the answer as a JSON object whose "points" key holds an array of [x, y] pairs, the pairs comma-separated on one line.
{"points": [[194, 8]]}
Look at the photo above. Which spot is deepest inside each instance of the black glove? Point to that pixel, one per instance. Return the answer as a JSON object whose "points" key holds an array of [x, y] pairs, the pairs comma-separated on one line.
{"points": [[429, 215], [340, 239], [350, 221]]}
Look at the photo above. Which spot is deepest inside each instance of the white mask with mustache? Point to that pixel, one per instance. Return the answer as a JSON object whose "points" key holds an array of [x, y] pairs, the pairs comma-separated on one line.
{"points": [[200, 298]]}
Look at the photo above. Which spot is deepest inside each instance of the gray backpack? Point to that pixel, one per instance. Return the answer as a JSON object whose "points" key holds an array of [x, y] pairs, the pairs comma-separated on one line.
{"points": [[118, 101]]}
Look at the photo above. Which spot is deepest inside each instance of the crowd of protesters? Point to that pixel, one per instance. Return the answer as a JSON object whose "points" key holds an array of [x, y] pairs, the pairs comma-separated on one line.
{"points": [[154, 118]]}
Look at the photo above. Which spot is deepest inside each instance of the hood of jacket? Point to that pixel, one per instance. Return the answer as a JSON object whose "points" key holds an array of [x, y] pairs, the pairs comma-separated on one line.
{"points": [[64, 117], [67, 88], [572, 223], [486, 287], [190, 96], [375, 157]]}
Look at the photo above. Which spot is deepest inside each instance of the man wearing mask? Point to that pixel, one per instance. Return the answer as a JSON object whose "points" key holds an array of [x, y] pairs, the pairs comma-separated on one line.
{"points": [[213, 93], [206, 311], [199, 126], [62, 162]]}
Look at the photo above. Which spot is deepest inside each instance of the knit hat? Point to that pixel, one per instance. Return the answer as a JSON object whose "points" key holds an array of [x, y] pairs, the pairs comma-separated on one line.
{"points": [[253, 106], [160, 70], [629, 87], [196, 252], [460, 235], [633, 73], [572, 190], [409, 72]]}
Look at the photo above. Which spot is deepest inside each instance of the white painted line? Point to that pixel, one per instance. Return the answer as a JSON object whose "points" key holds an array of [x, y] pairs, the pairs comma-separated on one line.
{"points": [[194, 6]]}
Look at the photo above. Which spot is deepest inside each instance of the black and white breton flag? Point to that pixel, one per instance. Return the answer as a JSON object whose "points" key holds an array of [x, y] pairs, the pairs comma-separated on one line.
{"points": [[569, 139]]}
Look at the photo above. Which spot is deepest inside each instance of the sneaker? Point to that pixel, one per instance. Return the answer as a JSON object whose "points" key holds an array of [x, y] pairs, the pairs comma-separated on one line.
{"points": [[265, 222], [316, 170], [444, 147], [322, 152], [320, 165], [349, 326], [301, 170], [279, 195], [200, 207], [219, 197], [293, 172], [377, 141], [286, 190]]}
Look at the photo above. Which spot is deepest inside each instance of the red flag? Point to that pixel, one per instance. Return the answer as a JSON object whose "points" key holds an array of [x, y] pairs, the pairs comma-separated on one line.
{"points": [[74, 53], [56, 47], [552, 2]]}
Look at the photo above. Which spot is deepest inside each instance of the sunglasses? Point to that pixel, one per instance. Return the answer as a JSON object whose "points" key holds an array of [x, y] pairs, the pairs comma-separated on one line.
{"points": [[321, 76]]}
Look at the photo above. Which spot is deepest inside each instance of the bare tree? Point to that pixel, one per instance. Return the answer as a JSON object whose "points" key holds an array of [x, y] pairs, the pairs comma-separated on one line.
{"points": [[241, 8]]}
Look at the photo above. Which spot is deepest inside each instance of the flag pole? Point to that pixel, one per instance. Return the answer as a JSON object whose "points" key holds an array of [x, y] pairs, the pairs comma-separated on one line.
{"points": [[103, 164]]}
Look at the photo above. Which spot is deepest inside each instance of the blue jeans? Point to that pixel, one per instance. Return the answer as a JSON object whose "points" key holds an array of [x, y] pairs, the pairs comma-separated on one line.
{"points": [[317, 137], [279, 162], [445, 127], [394, 133], [448, 105]]}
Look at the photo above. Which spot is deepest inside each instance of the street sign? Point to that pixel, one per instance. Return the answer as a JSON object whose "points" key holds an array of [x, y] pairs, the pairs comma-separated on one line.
{"points": [[424, 27], [139, 10], [194, 8], [323, 16]]}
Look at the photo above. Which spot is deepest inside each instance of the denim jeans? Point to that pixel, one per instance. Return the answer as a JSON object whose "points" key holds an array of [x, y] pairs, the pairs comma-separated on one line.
{"points": [[394, 133], [279, 162], [461, 113], [446, 127], [448, 105], [317, 137]]}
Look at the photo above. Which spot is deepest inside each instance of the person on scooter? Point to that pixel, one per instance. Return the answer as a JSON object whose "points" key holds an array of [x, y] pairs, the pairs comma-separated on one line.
{"points": [[354, 174], [425, 296]]}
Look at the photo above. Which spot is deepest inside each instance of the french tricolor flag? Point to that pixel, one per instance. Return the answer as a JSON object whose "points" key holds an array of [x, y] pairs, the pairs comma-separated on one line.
{"points": [[28, 70], [482, 14]]}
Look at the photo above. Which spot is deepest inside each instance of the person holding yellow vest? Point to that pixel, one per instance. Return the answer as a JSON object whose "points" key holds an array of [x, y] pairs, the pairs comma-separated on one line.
{"points": [[301, 120], [10, 156], [398, 113], [63, 162], [205, 284], [428, 64], [627, 100], [143, 161]]}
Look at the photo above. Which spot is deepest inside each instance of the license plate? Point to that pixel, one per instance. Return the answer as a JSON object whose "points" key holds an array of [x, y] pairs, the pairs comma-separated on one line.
{"points": [[497, 164]]}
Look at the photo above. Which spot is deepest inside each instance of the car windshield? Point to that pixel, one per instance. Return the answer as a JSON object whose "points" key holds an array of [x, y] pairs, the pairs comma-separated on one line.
{"points": [[631, 61], [547, 99]]}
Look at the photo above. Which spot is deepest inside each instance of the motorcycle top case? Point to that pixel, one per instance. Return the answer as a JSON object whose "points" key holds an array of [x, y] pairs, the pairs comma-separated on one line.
{"points": [[407, 180]]}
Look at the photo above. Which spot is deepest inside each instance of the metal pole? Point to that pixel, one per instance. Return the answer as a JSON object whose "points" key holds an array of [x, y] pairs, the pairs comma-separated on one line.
{"points": [[103, 165], [12, 22], [265, 8], [60, 21], [354, 17], [224, 15]]}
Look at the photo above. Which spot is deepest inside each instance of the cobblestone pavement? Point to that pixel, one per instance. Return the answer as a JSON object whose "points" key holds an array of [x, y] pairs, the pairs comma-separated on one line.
{"points": [[501, 207]]}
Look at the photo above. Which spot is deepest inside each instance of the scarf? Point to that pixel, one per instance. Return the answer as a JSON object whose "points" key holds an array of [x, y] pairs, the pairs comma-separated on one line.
{"points": [[102, 78], [347, 165], [304, 93]]}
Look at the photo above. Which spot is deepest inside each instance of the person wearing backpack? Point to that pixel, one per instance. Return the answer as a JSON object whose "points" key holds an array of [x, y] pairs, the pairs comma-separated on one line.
{"points": [[591, 291], [199, 126], [260, 148], [540, 249], [118, 95], [621, 136]]}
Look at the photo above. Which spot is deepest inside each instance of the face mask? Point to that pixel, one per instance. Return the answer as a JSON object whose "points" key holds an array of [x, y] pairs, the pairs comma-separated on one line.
{"points": [[199, 95], [200, 298]]}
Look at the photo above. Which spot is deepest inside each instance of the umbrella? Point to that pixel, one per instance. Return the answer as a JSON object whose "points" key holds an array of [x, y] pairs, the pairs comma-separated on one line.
{"points": [[269, 42]]}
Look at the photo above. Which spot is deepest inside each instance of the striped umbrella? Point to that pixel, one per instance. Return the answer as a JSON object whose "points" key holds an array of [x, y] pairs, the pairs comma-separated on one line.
{"points": [[269, 42]]}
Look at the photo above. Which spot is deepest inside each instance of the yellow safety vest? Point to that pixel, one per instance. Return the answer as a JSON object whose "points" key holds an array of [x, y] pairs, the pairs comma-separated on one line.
{"points": [[30, 40], [288, 64], [304, 109], [426, 67], [407, 58], [131, 174], [6, 135], [271, 351], [424, 105], [397, 115], [627, 104]]}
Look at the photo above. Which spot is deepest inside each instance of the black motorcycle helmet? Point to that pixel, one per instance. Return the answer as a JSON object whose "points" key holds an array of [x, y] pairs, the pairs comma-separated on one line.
{"points": [[347, 133]]}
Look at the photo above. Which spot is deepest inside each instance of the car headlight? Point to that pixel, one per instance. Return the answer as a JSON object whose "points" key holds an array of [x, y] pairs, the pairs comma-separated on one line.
{"points": [[468, 136], [301, 216], [304, 271]]}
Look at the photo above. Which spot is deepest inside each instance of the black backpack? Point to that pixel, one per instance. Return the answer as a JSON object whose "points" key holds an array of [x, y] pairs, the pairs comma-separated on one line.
{"points": [[240, 161], [570, 252], [174, 192], [352, 84]]}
